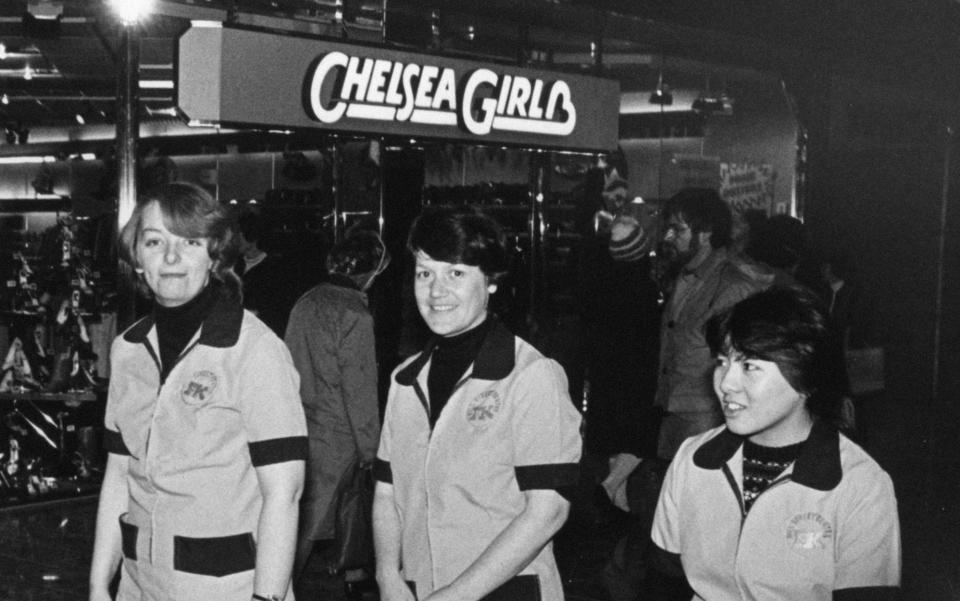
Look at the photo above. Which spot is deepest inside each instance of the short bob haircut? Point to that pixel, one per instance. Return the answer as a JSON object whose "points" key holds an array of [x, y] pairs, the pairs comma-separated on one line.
{"points": [[788, 326], [191, 212], [704, 211], [461, 235]]}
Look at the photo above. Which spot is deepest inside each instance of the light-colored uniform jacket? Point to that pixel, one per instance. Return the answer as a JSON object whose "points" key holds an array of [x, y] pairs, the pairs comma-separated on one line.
{"points": [[828, 523], [229, 405], [509, 426]]}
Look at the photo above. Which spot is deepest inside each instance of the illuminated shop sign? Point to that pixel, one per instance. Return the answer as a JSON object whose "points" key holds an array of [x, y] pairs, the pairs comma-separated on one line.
{"points": [[240, 77], [393, 91]]}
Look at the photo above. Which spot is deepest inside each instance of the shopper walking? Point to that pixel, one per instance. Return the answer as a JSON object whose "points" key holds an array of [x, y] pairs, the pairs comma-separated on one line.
{"points": [[330, 335], [204, 427], [480, 437]]}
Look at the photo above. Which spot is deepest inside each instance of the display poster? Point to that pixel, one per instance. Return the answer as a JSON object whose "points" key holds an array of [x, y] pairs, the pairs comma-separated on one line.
{"points": [[233, 76], [747, 186]]}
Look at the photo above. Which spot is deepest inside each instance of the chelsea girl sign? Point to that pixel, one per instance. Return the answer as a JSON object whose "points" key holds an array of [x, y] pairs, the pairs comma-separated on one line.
{"points": [[239, 77]]}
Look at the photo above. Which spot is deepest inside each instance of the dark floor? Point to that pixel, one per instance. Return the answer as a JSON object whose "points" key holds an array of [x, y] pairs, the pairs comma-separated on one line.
{"points": [[45, 548]]}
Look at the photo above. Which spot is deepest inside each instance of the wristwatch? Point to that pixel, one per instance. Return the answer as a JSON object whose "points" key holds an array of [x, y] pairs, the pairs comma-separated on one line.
{"points": [[267, 598]]}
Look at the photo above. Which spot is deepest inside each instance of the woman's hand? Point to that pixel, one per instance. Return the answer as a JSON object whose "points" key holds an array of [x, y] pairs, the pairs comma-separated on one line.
{"points": [[386, 538], [615, 484], [512, 550], [281, 485], [114, 496], [618, 495]]}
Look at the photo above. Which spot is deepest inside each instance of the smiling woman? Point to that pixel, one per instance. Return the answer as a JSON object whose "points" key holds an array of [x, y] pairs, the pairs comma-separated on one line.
{"points": [[203, 399], [777, 504], [177, 237], [175, 268], [480, 439]]}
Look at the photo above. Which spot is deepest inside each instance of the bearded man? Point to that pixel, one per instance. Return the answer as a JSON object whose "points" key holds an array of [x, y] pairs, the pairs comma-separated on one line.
{"points": [[696, 234]]}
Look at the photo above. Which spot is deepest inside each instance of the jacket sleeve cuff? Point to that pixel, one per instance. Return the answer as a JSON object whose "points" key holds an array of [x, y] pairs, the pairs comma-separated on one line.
{"points": [[865, 593], [382, 471], [278, 450], [549, 475]]}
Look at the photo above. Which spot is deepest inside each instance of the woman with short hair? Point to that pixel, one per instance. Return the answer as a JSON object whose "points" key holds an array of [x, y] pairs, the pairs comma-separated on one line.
{"points": [[778, 504], [205, 433], [480, 438]]}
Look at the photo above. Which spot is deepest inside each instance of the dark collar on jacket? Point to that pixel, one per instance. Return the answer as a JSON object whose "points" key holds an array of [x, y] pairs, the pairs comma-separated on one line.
{"points": [[220, 329], [818, 466], [494, 361]]}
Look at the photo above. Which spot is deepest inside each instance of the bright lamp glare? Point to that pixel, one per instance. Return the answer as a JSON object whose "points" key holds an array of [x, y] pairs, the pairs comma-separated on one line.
{"points": [[131, 11]]}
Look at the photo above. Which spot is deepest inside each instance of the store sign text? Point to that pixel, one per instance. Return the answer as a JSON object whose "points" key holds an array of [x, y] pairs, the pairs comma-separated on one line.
{"points": [[385, 90]]}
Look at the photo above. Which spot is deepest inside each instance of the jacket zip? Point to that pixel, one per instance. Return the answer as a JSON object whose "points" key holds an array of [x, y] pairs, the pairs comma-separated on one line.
{"points": [[743, 508], [426, 406], [163, 381]]}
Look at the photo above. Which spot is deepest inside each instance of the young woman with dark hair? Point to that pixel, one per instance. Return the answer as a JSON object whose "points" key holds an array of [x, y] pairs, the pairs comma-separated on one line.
{"points": [[480, 438], [777, 504]]}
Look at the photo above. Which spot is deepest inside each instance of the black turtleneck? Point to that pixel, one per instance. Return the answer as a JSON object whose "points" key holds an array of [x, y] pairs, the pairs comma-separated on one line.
{"points": [[177, 325], [450, 359]]}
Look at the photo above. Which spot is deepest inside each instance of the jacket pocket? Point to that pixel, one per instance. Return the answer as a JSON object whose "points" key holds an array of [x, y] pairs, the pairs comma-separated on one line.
{"points": [[525, 587], [217, 556], [128, 539]]}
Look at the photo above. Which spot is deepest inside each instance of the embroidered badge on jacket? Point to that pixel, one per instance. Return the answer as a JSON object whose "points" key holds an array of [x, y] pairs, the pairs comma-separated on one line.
{"points": [[807, 532], [200, 388], [483, 409]]}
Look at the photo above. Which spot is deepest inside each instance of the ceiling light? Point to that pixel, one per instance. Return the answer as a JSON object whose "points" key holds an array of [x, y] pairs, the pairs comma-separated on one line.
{"points": [[4, 99], [80, 119], [46, 10], [28, 73], [3, 51], [132, 11], [156, 84], [26, 160]]}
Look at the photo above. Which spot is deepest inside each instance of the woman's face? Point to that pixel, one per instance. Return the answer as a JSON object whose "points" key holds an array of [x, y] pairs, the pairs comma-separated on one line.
{"points": [[758, 402], [176, 269], [451, 297]]}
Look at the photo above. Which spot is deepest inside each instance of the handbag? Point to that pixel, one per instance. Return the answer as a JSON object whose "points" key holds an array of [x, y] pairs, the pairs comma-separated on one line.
{"points": [[353, 528], [353, 520]]}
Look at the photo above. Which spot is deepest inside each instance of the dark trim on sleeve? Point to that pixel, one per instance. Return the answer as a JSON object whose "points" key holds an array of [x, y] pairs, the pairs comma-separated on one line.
{"points": [[113, 443], [278, 450], [382, 471], [867, 593], [568, 492], [547, 475]]}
